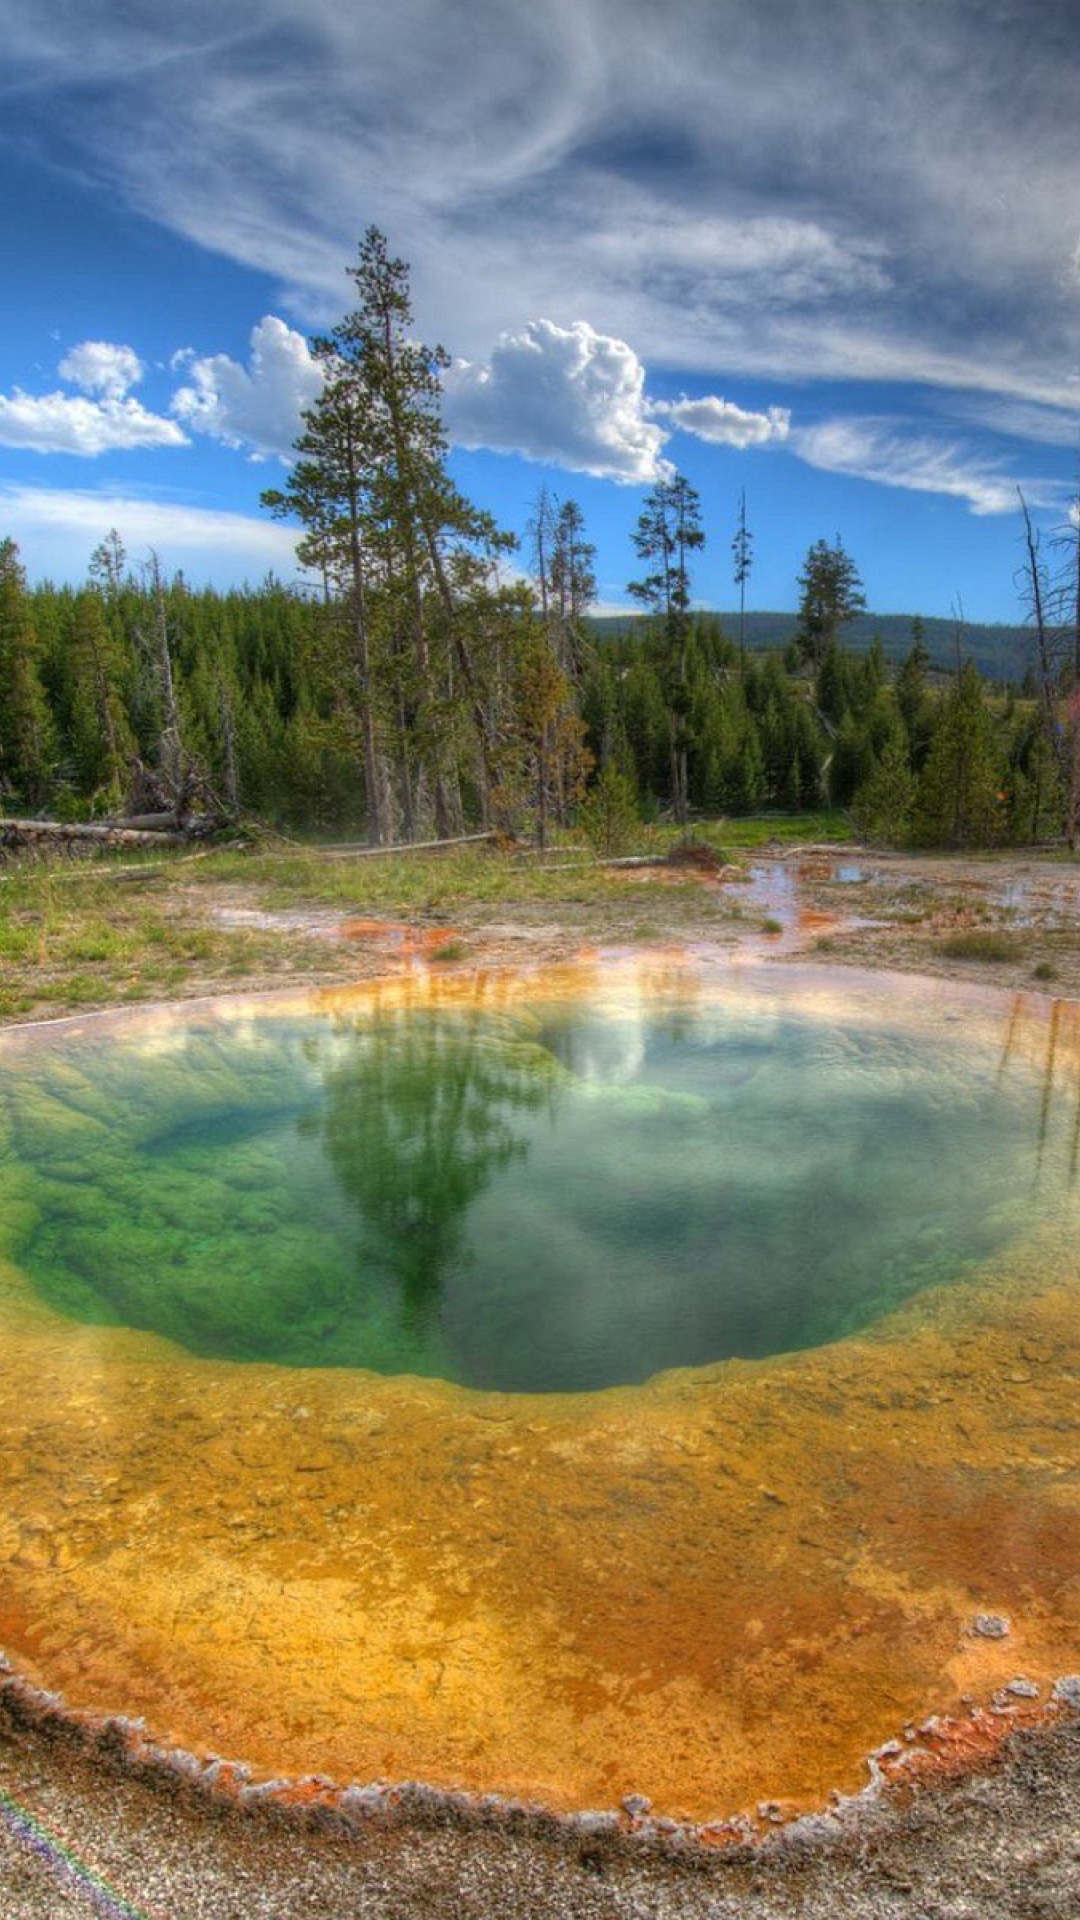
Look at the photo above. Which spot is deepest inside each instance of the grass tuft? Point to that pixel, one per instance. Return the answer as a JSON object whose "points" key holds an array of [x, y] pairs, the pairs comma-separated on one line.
{"points": [[982, 944]]}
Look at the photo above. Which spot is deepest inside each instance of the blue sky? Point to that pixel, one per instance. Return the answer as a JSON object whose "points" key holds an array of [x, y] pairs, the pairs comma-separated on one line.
{"points": [[829, 255]]}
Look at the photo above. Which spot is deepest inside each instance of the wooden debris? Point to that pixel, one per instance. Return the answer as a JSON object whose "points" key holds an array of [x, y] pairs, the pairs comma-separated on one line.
{"points": [[40, 836], [359, 850]]}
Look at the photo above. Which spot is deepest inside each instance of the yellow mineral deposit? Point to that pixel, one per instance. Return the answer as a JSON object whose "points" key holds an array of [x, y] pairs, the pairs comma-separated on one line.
{"points": [[725, 1586]]}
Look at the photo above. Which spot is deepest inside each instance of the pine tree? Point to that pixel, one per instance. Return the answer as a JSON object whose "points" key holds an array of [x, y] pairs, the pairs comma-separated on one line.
{"points": [[959, 799], [573, 585], [912, 696], [24, 718], [881, 811], [407, 559], [742, 553], [830, 594], [668, 531], [101, 734], [609, 816]]}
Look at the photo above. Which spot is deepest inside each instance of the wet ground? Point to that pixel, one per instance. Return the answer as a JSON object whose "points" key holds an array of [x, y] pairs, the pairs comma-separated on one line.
{"points": [[1008, 920]]}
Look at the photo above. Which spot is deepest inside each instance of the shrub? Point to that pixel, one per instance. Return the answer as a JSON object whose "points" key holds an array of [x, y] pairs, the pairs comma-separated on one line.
{"points": [[609, 816], [981, 943]]}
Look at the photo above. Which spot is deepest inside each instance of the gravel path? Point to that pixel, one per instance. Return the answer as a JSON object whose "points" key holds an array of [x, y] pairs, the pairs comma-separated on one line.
{"points": [[1000, 1846]]}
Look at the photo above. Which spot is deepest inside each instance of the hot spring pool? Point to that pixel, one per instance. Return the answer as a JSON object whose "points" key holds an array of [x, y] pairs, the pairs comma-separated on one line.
{"points": [[555, 1195], [622, 1378]]}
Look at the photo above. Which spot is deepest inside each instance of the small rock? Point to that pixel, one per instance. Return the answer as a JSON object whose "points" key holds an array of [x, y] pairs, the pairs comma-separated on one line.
{"points": [[1067, 1690], [595, 1821], [635, 1804], [1023, 1689], [991, 1626]]}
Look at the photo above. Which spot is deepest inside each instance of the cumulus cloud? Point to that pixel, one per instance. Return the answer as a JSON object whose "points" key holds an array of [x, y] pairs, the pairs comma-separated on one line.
{"points": [[70, 423], [50, 524], [102, 367], [108, 421], [724, 424], [565, 394], [577, 397], [258, 406], [882, 451]]}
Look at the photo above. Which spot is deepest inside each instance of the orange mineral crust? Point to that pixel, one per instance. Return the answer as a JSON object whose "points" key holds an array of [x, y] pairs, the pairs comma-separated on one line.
{"points": [[726, 1586]]}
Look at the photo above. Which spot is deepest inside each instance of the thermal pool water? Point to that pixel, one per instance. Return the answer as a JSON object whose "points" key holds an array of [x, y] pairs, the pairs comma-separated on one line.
{"points": [[617, 1378]]}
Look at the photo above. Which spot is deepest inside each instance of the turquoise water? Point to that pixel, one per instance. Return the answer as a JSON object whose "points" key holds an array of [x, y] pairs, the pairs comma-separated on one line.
{"points": [[560, 1197]]}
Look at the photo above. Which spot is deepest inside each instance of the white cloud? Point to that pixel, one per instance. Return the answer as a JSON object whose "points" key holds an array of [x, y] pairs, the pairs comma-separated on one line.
{"points": [[881, 451], [1051, 426], [102, 367], [69, 423], [707, 261], [724, 424], [109, 421], [257, 406], [57, 530], [565, 394], [687, 182]]}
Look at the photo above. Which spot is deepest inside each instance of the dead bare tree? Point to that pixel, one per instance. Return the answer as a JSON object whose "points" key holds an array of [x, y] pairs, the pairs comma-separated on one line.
{"points": [[1057, 656], [180, 784]]}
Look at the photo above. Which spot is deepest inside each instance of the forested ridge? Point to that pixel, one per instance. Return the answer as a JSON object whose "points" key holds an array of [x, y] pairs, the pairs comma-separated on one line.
{"points": [[1001, 651], [440, 674]]}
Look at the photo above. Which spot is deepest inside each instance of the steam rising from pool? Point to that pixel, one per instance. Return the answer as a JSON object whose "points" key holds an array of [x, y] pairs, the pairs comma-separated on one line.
{"points": [[547, 1192]]}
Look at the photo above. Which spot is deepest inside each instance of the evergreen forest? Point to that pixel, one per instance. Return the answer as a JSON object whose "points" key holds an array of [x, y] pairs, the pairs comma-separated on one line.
{"points": [[438, 674]]}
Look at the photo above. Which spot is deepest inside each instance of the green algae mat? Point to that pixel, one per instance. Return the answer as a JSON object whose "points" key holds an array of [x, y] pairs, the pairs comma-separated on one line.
{"points": [[570, 1193]]}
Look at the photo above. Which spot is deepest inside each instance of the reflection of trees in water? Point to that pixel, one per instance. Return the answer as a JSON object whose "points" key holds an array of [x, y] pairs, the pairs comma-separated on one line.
{"points": [[1055, 1056], [416, 1121], [607, 1041]]}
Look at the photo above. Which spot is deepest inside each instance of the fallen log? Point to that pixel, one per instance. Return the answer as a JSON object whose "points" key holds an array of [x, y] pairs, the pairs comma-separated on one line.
{"points": [[163, 822], [359, 849], [17, 835]]}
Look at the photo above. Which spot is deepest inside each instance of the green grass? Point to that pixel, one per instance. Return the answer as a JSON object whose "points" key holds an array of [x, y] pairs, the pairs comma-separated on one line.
{"points": [[789, 829], [406, 883], [419, 882], [120, 927], [73, 936]]}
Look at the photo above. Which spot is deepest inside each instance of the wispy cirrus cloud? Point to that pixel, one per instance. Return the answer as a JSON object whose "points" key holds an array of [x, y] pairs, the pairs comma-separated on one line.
{"points": [[51, 523], [692, 187], [892, 454]]}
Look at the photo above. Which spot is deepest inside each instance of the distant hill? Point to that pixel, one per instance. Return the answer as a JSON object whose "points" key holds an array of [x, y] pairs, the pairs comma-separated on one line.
{"points": [[1000, 652]]}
